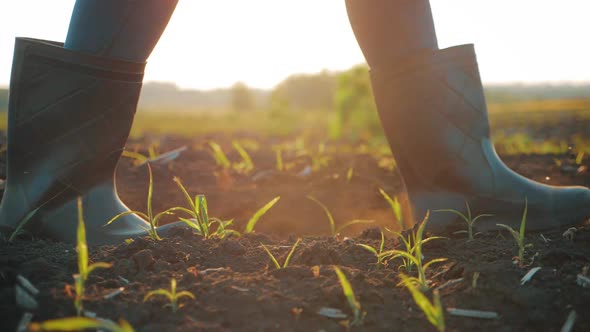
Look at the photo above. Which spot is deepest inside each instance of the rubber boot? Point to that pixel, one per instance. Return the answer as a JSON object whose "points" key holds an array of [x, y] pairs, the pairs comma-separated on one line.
{"points": [[69, 117], [433, 110]]}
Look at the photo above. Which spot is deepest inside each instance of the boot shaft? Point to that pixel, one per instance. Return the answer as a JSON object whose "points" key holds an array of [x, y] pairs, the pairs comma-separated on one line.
{"points": [[432, 107], [69, 118]]}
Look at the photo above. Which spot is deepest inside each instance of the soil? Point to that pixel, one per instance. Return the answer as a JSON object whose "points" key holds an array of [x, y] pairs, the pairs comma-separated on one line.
{"points": [[237, 287]]}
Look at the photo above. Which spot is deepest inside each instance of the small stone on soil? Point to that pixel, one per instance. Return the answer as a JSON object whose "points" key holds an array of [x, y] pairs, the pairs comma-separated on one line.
{"points": [[143, 259], [233, 248]]}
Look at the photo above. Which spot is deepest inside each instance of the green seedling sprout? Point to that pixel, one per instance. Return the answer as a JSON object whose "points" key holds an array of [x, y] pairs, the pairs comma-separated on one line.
{"points": [[246, 165], [150, 217], [413, 255], [319, 159], [519, 236], [334, 231], [467, 218], [172, 295], [407, 241], [27, 218], [349, 174], [375, 251], [280, 166], [83, 268], [395, 207], [348, 292], [200, 222], [80, 323], [19, 228], [219, 155], [433, 310], [139, 158], [287, 260], [262, 211]]}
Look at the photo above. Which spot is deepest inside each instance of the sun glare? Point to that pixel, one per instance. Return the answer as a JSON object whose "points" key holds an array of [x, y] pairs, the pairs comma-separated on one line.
{"points": [[210, 44]]}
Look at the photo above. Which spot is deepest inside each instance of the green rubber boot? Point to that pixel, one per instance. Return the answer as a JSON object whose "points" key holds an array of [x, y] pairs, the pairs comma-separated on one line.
{"points": [[68, 120], [433, 110]]}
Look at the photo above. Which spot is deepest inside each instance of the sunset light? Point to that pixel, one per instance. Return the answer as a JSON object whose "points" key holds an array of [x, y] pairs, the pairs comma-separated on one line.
{"points": [[211, 44]]}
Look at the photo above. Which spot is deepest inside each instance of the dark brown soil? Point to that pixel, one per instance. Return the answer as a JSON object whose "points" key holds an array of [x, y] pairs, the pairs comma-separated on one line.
{"points": [[238, 289]]}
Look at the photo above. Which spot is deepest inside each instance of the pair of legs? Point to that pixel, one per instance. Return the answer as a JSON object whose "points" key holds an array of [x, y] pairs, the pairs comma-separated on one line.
{"points": [[430, 101]]}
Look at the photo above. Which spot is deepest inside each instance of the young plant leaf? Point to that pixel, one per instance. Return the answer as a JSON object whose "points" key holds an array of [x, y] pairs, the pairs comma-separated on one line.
{"points": [[328, 214], [395, 207], [80, 323], [252, 222], [353, 303]]}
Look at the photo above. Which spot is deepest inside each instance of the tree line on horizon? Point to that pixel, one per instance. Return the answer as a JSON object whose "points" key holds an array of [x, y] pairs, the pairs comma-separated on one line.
{"points": [[327, 90]]}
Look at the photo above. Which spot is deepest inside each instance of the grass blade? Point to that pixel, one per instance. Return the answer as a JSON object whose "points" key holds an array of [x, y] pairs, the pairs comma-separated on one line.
{"points": [[78, 324], [433, 311], [288, 259], [252, 222], [22, 224], [354, 305], [81, 246], [523, 221], [249, 165], [274, 260], [368, 248], [161, 292], [395, 207], [150, 196], [185, 192], [328, 214], [353, 222], [126, 213], [219, 155], [185, 294]]}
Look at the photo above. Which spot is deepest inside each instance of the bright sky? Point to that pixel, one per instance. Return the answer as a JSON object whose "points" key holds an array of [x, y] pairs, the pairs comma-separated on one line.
{"points": [[211, 44]]}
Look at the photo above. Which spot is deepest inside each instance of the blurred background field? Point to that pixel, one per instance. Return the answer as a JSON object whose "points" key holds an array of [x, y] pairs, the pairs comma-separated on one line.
{"points": [[338, 106]]}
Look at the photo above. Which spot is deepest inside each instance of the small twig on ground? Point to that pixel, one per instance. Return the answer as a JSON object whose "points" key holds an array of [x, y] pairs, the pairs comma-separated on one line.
{"points": [[529, 275], [450, 283], [473, 313], [114, 293], [569, 322]]}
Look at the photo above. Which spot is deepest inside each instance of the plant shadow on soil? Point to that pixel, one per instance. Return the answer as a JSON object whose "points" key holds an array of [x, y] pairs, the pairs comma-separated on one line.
{"points": [[238, 289]]}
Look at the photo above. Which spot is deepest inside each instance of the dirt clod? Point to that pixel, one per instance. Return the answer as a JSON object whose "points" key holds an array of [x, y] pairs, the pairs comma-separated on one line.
{"points": [[143, 259]]}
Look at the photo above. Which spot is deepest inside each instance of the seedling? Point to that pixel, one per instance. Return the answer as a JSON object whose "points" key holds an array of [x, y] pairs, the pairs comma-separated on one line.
{"points": [[80, 323], [395, 207], [279, 159], [433, 310], [349, 174], [28, 217], [413, 255], [246, 165], [319, 159], [519, 236], [200, 222], [219, 155], [287, 260], [353, 303], [467, 218], [333, 229], [153, 156], [20, 227], [151, 219], [139, 158], [375, 251], [83, 268], [172, 295], [262, 211], [407, 241]]}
